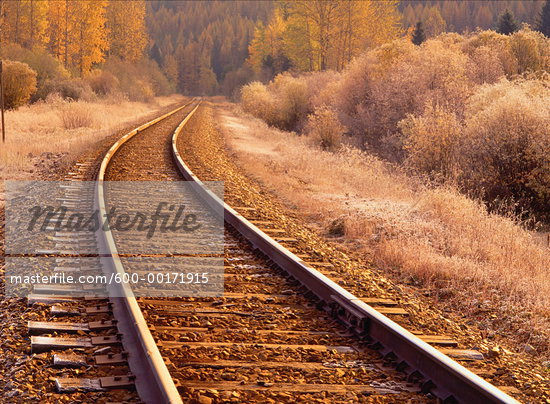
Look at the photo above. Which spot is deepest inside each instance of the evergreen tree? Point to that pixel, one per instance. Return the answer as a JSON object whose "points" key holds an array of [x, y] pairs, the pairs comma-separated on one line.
{"points": [[507, 24], [418, 35], [544, 21]]}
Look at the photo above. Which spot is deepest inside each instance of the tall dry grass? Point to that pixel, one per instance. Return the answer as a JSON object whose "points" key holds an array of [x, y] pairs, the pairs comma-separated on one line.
{"points": [[63, 127], [435, 235]]}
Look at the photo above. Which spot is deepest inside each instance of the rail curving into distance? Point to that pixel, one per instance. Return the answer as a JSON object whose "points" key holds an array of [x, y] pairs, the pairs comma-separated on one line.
{"points": [[153, 380]]}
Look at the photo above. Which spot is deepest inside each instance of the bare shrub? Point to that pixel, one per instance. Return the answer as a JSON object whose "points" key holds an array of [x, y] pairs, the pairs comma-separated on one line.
{"points": [[531, 50], [507, 140], [140, 90], [486, 65], [76, 115], [71, 89], [19, 83], [323, 125], [102, 83], [140, 81], [292, 100], [258, 101], [432, 141], [498, 44], [380, 88], [356, 93], [283, 103], [432, 72], [320, 88]]}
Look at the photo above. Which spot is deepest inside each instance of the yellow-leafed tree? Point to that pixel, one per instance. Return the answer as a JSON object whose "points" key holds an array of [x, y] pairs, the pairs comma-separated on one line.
{"points": [[25, 22], [267, 44], [325, 34], [90, 36], [126, 27], [77, 32], [57, 17]]}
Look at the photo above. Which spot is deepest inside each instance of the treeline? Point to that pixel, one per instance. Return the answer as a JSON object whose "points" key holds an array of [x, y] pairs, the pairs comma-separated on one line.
{"points": [[467, 109], [78, 33], [321, 35], [466, 15], [77, 49], [202, 45], [145, 48]]}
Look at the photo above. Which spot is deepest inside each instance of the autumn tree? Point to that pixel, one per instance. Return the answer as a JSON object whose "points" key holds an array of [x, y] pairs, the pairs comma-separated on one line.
{"points": [[483, 17], [77, 34], [467, 15], [507, 24], [126, 26], [266, 48], [418, 35], [89, 37], [321, 35], [192, 40], [25, 22]]}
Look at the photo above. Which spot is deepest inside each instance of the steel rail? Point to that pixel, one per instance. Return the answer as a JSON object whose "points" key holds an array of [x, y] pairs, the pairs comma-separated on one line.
{"points": [[441, 375], [153, 380]]}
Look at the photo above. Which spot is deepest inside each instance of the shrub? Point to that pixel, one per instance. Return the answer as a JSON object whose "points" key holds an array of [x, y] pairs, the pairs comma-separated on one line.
{"points": [[385, 85], [141, 90], [141, 81], [159, 83], [258, 101], [283, 103], [234, 80], [76, 115], [320, 88], [498, 44], [292, 101], [432, 141], [46, 66], [486, 65], [102, 83], [19, 84], [72, 89], [352, 94], [507, 141], [324, 126], [531, 50]]}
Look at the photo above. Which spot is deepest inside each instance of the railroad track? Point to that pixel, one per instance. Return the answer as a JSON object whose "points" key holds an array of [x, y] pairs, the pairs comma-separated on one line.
{"points": [[282, 331]]}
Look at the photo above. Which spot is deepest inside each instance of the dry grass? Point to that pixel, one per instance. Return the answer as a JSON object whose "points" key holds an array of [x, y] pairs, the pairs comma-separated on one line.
{"points": [[436, 236], [61, 127], [76, 115], [55, 132]]}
